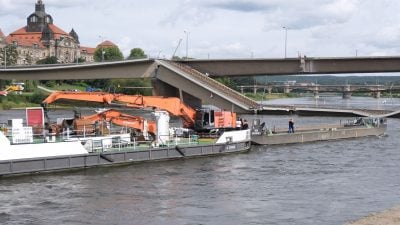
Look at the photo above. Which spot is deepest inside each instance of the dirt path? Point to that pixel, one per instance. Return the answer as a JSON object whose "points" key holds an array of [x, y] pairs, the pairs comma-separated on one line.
{"points": [[387, 217], [45, 89]]}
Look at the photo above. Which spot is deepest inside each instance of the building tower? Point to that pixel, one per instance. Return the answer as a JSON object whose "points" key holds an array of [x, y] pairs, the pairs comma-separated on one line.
{"points": [[37, 21]]}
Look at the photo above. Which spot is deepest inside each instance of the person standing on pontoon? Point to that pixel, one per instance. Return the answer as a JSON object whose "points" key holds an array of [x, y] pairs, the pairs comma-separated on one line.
{"points": [[291, 126]]}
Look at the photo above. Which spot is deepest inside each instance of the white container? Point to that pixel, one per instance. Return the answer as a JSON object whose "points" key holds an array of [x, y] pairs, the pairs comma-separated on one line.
{"points": [[162, 118], [16, 123]]}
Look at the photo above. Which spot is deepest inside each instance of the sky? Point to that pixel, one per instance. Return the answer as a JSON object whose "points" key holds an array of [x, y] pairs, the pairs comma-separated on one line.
{"points": [[225, 28]]}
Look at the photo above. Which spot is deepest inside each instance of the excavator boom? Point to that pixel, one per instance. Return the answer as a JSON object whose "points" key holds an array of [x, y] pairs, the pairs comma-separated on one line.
{"points": [[172, 105], [100, 97], [115, 117]]}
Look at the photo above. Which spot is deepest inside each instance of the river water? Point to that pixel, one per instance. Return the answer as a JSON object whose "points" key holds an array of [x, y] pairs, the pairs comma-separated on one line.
{"points": [[317, 183]]}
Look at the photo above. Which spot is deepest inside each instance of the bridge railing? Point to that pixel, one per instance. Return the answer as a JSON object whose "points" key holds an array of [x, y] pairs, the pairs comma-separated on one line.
{"points": [[215, 84]]}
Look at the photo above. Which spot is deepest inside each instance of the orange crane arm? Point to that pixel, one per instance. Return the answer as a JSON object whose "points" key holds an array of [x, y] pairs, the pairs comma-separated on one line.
{"points": [[172, 105], [120, 119], [100, 97]]}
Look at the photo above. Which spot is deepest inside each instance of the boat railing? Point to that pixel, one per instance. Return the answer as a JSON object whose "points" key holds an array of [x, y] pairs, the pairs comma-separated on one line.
{"points": [[113, 141], [112, 144]]}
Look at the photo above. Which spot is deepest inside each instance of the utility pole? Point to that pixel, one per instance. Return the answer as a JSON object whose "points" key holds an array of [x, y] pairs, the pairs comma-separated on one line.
{"points": [[102, 50], [187, 44], [285, 40]]}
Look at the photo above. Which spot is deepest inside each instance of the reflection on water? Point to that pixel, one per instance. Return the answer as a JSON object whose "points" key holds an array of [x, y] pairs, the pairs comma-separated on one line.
{"points": [[317, 183]]}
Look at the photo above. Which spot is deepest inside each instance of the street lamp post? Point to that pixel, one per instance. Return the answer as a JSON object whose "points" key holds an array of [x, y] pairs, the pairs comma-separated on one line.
{"points": [[285, 40], [5, 57], [102, 50], [187, 44]]}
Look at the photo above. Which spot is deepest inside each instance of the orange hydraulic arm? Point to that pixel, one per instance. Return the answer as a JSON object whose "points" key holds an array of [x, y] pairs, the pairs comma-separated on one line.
{"points": [[80, 96], [172, 105], [118, 118]]}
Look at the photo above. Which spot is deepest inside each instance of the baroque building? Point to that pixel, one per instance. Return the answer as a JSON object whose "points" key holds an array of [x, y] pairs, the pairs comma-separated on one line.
{"points": [[41, 38]]}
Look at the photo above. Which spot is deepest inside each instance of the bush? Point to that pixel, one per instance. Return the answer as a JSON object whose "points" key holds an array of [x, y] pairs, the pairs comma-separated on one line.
{"points": [[37, 97], [6, 105]]}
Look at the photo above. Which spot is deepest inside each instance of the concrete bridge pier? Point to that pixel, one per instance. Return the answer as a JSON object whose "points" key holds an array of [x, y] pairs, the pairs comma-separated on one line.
{"points": [[269, 90], [161, 88], [347, 94], [255, 90], [286, 89], [376, 94], [242, 90], [316, 91]]}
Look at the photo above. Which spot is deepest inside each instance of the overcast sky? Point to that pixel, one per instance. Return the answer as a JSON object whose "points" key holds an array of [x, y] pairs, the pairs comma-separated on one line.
{"points": [[225, 28]]}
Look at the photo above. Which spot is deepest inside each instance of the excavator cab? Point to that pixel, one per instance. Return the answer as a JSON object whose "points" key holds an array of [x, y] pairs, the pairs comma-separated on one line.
{"points": [[205, 119]]}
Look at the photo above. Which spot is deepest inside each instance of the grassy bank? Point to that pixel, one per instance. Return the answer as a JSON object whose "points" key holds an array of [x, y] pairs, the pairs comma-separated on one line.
{"points": [[260, 96], [28, 99]]}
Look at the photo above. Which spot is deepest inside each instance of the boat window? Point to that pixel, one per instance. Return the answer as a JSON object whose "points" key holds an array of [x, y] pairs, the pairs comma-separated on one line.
{"points": [[206, 118]]}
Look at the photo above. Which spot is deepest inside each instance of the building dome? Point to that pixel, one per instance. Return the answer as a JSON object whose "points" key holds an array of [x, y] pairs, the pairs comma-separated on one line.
{"points": [[38, 20]]}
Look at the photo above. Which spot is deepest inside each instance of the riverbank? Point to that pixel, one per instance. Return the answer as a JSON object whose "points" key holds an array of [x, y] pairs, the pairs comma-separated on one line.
{"points": [[387, 217]]}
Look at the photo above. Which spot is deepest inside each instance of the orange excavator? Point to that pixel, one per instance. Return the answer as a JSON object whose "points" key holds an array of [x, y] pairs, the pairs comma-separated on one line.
{"points": [[195, 119], [112, 116]]}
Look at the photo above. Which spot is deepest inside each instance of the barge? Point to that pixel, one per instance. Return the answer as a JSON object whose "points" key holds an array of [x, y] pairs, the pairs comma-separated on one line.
{"points": [[90, 141], [79, 153], [361, 127]]}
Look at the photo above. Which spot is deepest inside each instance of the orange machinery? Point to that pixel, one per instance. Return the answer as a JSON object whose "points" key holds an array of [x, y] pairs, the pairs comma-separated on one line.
{"points": [[118, 118], [199, 120], [17, 87]]}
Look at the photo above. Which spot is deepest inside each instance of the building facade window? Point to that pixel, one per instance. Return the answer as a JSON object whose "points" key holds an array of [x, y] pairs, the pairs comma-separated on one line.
{"points": [[34, 19]]}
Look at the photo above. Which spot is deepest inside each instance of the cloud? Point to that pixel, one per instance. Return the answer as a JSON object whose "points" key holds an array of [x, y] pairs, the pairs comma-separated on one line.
{"points": [[125, 45], [241, 6], [309, 14], [225, 28], [187, 12], [65, 4]]}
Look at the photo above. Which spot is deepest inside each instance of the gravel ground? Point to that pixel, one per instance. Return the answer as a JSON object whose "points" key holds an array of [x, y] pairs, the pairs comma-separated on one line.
{"points": [[387, 217]]}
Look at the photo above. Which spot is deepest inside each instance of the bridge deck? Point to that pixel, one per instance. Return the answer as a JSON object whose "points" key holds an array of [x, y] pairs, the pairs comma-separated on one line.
{"points": [[215, 87]]}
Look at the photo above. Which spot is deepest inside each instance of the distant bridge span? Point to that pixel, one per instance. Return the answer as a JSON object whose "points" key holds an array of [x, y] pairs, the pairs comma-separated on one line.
{"points": [[107, 70], [293, 66], [211, 67]]}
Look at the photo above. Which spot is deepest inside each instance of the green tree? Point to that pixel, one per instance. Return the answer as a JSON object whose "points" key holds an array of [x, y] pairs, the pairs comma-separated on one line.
{"points": [[81, 60], [11, 55], [228, 82], [132, 86], [137, 53], [110, 54], [177, 58], [31, 85], [48, 60], [29, 59]]}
